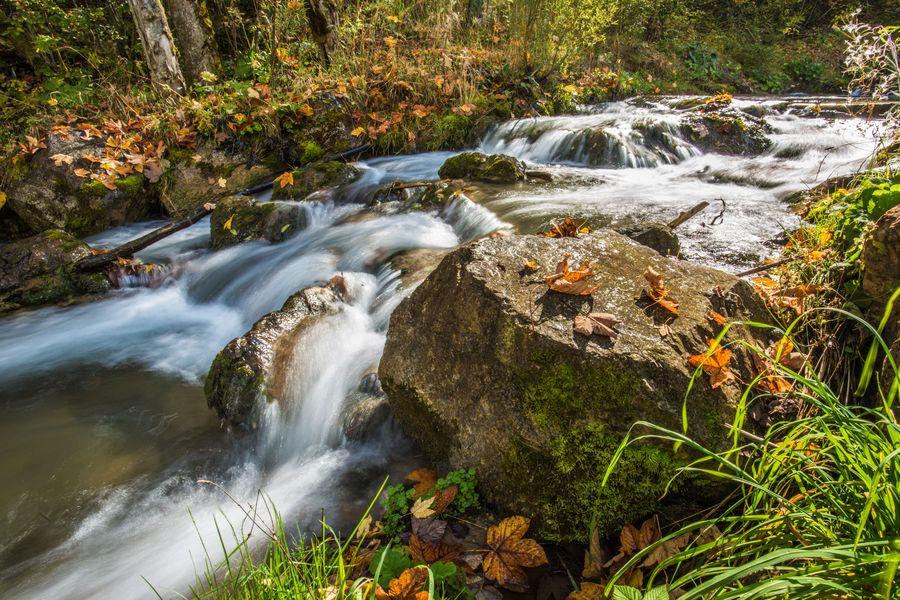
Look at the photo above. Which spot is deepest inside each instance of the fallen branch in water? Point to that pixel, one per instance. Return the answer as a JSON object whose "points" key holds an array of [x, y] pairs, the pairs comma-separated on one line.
{"points": [[535, 174], [764, 267], [684, 216], [398, 185], [128, 249]]}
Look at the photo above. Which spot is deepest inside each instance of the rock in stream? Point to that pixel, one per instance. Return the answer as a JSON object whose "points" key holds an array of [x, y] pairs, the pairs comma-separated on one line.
{"points": [[482, 369]]}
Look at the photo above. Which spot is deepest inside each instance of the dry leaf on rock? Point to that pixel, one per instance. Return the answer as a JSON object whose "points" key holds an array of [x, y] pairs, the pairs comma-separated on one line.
{"points": [[285, 179], [597, 324], [588, 591], [715, 364], [717, 318], [569, 282], [568, 228], [510, 551], [658, 292]]}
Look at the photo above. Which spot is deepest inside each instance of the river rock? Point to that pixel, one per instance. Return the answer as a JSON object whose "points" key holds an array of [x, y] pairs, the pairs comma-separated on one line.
{"points": [[38, 270], [252, 369], [45, 193], [316, 177], [721, 128], [482, 369], [198, 176], [881, 257], [253, 220], [494, 168], [658, 236]]}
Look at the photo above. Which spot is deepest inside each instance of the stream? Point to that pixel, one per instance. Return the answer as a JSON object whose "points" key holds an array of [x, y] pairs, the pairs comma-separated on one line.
{"points": [[104, 429]]}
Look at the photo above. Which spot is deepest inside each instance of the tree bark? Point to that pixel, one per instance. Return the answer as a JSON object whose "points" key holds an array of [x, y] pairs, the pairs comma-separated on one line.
{"points": [[159, 47], [190, 22], [323, 22]]}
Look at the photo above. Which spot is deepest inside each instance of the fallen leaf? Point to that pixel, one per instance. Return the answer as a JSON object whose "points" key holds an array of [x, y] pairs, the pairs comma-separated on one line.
{"points": [[634, 539], [307, 110], [429, 531], [285, 179], [153, 171], [444, 497], [715, 364], [565, 281], [717, 318], [588, 591], [209, 206], [2, 199], [568, 228], [658, 292], [654, 278], [408, 586], [597, 324], [421, 508], [62, 159], [531, 265], [221, 182], [666, 550], [510, 551], [227, 225], [432, 553], [357, 132], [594, 557], [423, 480], [665, 330]]}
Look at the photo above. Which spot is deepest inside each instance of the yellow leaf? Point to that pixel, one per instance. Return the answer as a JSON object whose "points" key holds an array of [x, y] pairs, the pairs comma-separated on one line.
{"points": [[393, 18], [286, 179], [306, 110], [221, 182], [357, 132], [421, 509], [52, 101], [2, 199], [227, 225]]}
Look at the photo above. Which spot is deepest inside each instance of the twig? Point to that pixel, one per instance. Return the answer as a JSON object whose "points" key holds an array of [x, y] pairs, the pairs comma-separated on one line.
{"points": [[719, 218], [764, 267], [685, 215]]}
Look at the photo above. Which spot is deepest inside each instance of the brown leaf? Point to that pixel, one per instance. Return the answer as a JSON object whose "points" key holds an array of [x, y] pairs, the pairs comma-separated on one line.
{"points": [[588, 591], [408, 586], [597, 324], [443, 498], [569, 282], [634, 539], [715, 364], [665, 330], [717, 318], [421, 508], [432, 553], [423, 480], [594, 558], [658, 292], [666, 550], [429, 531], [510, 551], [654, 279], [568, 228]]}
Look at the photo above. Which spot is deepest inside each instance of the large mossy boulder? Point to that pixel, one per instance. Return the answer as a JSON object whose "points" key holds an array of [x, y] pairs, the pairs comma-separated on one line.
{"points": [[718, 127], [483, 369], [316, 177], [239, 219], [881, 258], [38, 270], [475, 166], [45, 193], [196, 177]]}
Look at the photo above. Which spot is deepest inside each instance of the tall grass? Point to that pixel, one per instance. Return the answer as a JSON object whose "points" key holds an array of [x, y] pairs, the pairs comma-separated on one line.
{"points": [[817, 513]]}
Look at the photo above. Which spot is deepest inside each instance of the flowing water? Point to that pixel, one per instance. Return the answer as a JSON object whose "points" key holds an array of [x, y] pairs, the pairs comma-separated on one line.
{"points": [[104, 431]]}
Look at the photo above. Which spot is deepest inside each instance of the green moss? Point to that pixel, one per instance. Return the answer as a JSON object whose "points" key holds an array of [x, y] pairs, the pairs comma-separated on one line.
{"points": [[131, 185], [232, 388], [554, 393], [92, 189], [310, 151], [450, 131], [181, 155], [565, 487]]}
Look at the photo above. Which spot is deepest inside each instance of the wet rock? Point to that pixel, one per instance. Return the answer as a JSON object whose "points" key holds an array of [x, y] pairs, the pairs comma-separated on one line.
{"points": [[47, 196], [494, 168], [658, 236], [190, 183], [482, 369], [38, 270], [252, 369], [881, 258], [415, 265], [364, 416], [313, 178], [726, 130], [252, 220]]}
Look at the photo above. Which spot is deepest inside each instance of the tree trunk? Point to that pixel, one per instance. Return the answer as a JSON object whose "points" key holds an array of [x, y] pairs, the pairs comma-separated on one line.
{"points": [[159, 47], [194, 34], [323, 22]]}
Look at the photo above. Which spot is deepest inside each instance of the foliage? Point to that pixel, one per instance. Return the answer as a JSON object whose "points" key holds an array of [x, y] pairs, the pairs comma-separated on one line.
{"points": [[467, 497], [817, 512]]}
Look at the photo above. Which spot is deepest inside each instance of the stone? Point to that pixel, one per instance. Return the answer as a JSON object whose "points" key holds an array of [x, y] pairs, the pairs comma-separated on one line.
{"points": [[475, 166], [316, 177], [658, 236], [881, 258], [190, 183], [45, 195], [38, 270], [252, 369], [482, 369], [252, 220], [726, 130]]}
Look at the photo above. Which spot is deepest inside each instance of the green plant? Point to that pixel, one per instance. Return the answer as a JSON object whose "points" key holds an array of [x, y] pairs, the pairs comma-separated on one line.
{"points": [[467, 497], [448, 580], [396, 503], [818, 513]]}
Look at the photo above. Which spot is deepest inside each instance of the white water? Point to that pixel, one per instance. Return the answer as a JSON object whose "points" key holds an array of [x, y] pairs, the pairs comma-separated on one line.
{"points": [[148, 523]]}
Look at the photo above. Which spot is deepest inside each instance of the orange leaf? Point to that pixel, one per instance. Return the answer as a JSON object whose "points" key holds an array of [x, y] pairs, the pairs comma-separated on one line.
{"points": [[432, 553], [715, 364], [717, 318], [565, 281], [285, 179], [424, 480], [510, 551]]}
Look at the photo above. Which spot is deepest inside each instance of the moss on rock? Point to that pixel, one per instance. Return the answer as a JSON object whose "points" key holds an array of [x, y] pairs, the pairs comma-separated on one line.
{"points": [[496, 168], [316, 177]]}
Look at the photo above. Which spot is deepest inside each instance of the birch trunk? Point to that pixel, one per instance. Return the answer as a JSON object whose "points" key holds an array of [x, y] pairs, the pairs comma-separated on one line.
{"points": [[194, 35], [159, 47]]}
